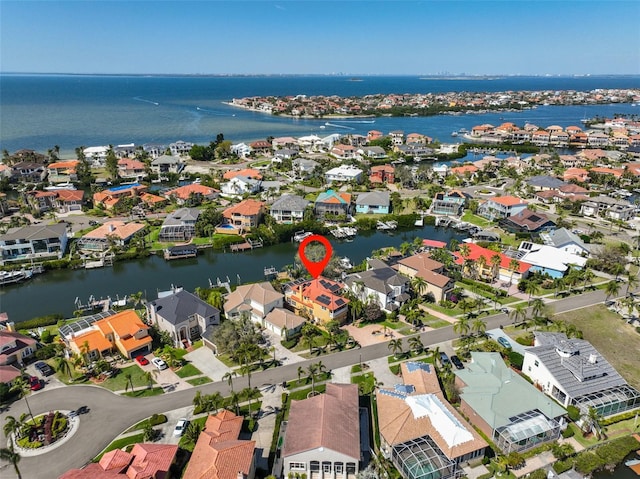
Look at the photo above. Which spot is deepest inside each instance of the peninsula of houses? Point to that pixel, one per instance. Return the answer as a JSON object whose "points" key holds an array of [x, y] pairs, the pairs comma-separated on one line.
{"points": [[517, 383]]}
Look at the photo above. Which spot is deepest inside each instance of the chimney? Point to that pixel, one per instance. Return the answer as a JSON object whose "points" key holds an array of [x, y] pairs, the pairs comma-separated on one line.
{"points": [[593, 358]]}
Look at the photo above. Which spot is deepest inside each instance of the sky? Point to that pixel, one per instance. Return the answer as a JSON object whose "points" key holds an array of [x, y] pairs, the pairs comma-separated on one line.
{"points": [[378, 37]]}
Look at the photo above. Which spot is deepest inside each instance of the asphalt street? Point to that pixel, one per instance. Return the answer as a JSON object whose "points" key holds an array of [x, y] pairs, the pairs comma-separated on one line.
{"points": [[109, 414]]}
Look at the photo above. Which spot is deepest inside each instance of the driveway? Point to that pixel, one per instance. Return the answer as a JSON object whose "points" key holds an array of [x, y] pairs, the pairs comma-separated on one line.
{"points": [[282, 354], [204, 359], [166, 378], [497, 333]]}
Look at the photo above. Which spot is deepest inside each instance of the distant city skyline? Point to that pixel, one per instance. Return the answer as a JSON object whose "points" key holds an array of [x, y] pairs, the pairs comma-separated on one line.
{"points": [[375, 37]]}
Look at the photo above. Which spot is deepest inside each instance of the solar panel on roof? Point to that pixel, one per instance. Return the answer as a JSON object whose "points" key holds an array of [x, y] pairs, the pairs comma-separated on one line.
{"points": [[340, 302], [324, 299], [414, 366], [394, 394], [405, 388]]}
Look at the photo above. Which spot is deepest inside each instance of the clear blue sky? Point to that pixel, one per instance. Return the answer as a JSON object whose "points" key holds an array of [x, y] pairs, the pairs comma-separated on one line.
{"points": [[351, 37]]}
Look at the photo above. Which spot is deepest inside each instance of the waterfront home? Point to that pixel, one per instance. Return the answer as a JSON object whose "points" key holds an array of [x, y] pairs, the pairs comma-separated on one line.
{"points": [[318, 299], [304, 167], [110, 234], [242, 150], [527, 221], [598, 139], [373, 202], [183, 315], [374, 135], [381, 284], [546, 259], [508, 270], [154, 150], [285, 154], [544, 183], [397, 137], [608, 207], [110, 197], [254, 301], [562, 238], [540, 138], [193, 193], [505, 407], [283, 322], [244, 216], [574, 373], [40, 201], [344, 152], [343, 173], [418, 139], [381, 174], [288, 209], [28, 172], [501, 207], [240, 185], [167, 164], [126, 150], [449, 203], [146, 460], [431, 271], [219, 452], [62, 171], [464, 171], [284, 142], [123, 331], [179, 225], [419, 429], [246, 172], [332, 203], [322, 439], [260, 147], [373, 152], [180, 148], [131, 169], [96, 155], [603, 170], [67, 201], [34, 242], [15, 348]]}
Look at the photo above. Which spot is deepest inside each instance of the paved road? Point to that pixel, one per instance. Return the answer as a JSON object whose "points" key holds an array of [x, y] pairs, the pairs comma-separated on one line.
{"points": [[110, 414]]}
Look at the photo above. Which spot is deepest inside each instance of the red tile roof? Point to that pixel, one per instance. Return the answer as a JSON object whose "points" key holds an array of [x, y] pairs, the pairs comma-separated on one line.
{"points": [[508, 200], [244, 208], [248, 172], [476, 251], [183, 192]]}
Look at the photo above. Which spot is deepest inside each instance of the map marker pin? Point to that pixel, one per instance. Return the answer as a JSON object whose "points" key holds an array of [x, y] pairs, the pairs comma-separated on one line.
{"points": [[315, 268]]}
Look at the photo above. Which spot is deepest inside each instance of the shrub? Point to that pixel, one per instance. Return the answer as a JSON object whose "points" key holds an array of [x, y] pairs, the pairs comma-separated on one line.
{"points": [[157, 419], [588, 462], [614, 419], [573, 413], [562, 466], [568, 432], [40, 321], [516, 359], [46, 352], [538, 474], [46, 336]]}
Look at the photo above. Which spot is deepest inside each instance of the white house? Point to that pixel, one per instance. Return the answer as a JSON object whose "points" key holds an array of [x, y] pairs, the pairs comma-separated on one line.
{"points": [[566, 240], [96, 155], [239, 185], [323, 435], [289, 209], [343, 173], [180, 148], [254, 300], [548, 259], [241, 149]]}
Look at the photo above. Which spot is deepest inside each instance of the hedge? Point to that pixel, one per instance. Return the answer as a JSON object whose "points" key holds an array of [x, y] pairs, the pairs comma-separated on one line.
{"points": [[484, 287], [618, 418], [40, 321]]}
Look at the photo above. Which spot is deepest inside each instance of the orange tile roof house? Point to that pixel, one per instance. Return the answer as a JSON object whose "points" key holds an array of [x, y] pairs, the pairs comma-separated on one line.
{"points": [[503, 271], [382, 174], [115, 231], [145, 461], [501, 207], [318, 299], [323, 434], [194, 190], [112, 196], [123, 331], [463, 170], [132, 169], [415, 416], [246, 215], [219, 454], [422, 266], [247, 172], [63, 171]]}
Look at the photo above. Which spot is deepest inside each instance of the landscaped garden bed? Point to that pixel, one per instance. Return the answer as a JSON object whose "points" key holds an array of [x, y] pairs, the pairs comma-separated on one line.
{"points": [[42, 430]]}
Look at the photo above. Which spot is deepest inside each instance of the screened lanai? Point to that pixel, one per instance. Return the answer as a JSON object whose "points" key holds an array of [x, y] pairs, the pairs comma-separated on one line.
{"points": [[422, 459]]}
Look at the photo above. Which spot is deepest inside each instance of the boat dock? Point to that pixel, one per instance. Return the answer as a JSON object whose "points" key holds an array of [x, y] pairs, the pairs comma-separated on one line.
{"points": [[387, 225], [180, 252], [342, 232], [271, 273], [249, 244]]}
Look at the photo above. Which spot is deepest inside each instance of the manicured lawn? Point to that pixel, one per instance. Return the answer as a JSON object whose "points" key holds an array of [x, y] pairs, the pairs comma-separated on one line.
{"points": [[619, 429], [366, 382], [475, 219], [434, 322], [440, 309], [144, 392], [120, 443], [617, 341], [199, 381], [188, 370], [119, 382]]}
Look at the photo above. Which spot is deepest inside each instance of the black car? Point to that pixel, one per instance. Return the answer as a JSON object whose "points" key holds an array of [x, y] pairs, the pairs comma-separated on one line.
{"points": [[43, 368], [444, 359], [456, 362]]}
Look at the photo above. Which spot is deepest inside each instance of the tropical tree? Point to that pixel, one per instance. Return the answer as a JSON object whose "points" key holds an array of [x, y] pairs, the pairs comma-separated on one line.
{"points": [[531, 288], [312, 370], [461, 326], [309, 333], [63, 366], [419, 285], [612, 288], [234, 399], [228, 376], [518, 313], [395, 345], [559, 284], [192, 433], [23, 388], [495, 261], [632, 282], [148, 432], [251, 394], [592, 421], [11, 426], [129, 381], [480, 265], [9, 455], [514, 264], [415, 343], [149, 377], [478, 326]]}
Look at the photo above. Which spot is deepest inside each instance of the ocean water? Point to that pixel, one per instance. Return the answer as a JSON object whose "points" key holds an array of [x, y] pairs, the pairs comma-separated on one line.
{"points": [[40, 111]]}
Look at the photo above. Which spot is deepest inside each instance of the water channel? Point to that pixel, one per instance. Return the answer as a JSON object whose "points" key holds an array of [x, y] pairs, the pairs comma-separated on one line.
{"points": [[56, 291]]}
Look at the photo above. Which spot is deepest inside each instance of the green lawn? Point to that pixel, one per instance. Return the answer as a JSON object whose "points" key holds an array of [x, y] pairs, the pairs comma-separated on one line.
{"points": [[366, 382], [199, 381], [435, 323], [119, 382], [120, 443], [141, 393], [619, 429], [617, 341], [188, 370], [475, 219]]}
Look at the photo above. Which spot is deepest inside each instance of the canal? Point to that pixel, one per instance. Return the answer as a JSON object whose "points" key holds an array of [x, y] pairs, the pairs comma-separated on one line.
{"points": [[56, 291]]}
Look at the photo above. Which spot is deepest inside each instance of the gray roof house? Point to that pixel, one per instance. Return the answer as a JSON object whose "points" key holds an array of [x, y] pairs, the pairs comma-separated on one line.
{"points": [[289, 209], [304, 167], [34, 242], [565, 240], [180, 225], [183, 315], [167, 164], [382, 283], [544, 182], [503, 405], [373, 202], [573, 373]]}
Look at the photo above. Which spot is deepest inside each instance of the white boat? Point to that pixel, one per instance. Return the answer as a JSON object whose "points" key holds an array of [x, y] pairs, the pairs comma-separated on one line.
{"points": [[387, 225], [454, 133], [632, 462], [11, 277], [345, 263], [60, 186], [300, 236]]}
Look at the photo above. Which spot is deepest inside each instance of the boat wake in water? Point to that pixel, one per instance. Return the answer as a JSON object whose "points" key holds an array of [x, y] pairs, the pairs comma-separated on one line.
{"points": [[137, 98]]}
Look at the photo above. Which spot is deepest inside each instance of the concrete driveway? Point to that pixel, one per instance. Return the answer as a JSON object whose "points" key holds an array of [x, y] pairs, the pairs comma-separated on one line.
{"points": [[204, 359], [497, 333]]}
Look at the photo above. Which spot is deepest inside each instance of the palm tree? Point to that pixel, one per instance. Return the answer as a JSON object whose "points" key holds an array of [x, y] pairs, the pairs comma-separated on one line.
{"points": [[419, 285], [560, 284], [518, 313], [395, 345], [495, 261], [461, 326], [478, 326], [612, 288], [193, 432], [632, 282], [129, 381], [537, 307], [481, 263], [415, 343], [10, 455], [149, 377], [514, 264], [22, 387], [234, 398], [11, 426], [251, 394], [312, 369], [215, 400], [435, 356], [63, 366], [228, 376], [531, 289]]}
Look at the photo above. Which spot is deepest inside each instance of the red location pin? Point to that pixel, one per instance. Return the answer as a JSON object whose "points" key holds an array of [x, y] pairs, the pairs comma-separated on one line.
{"points": [[315, 269]]}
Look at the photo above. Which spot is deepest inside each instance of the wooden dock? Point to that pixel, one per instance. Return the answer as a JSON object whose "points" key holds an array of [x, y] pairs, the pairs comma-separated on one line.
{"points": [[249, 244]]}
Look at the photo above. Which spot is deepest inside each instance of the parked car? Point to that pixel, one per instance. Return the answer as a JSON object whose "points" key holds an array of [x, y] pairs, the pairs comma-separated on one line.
{"points": [[43, 368], [159, 363], [504, 342], [142, 361], [456, 362], [35, 383], [444, 359], [180, 427]]}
